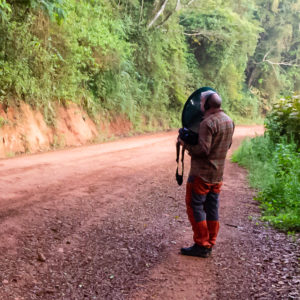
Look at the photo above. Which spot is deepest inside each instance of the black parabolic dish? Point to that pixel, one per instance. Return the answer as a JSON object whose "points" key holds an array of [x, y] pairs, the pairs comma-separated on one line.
{"points": [[192, 114]]}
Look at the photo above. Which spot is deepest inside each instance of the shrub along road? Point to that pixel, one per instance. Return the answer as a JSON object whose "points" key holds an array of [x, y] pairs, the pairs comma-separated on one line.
{"points": [[106, 222]]}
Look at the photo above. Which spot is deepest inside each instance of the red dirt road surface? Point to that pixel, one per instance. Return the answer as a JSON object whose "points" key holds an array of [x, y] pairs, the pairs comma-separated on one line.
{"points": [[107, 222]]}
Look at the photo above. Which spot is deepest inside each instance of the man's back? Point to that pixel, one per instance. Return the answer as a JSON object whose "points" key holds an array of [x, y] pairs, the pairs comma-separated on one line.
{"points": [[215, 138]]}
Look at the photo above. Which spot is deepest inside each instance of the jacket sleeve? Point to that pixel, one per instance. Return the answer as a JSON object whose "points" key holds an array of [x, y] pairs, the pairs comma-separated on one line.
{"points": [[203, 147], [233, 128]]}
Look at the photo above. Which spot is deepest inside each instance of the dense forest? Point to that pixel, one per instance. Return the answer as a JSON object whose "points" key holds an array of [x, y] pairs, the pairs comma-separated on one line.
{"points": [[144, 58]]}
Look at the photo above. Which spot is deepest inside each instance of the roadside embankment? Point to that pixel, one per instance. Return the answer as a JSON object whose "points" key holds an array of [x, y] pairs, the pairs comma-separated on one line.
{"points": [[24, 130]]}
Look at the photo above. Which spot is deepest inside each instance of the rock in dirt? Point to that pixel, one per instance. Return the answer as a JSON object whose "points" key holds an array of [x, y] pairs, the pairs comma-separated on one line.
{"points": [[41, 257]]}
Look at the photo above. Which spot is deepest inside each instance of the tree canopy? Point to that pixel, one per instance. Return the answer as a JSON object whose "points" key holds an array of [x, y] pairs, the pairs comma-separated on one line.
{"points": [[145, 57]]}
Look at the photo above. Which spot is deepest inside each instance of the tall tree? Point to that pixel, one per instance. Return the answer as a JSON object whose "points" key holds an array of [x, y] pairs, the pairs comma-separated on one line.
{"points": [[275, 66]]}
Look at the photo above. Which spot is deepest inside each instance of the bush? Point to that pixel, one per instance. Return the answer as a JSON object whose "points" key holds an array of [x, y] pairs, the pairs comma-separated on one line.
{"points": [[275, 170], [284, 120]]}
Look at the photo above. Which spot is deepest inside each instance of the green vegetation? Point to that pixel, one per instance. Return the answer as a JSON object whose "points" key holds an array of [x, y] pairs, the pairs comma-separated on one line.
{"points": [[274, 165], [221, 41], [143, 58], [274, 68], [98, 54], [284, 120]]}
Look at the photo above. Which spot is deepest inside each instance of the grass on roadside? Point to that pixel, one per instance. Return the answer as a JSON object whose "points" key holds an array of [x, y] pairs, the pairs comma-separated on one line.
{"points": [[274, 169]]}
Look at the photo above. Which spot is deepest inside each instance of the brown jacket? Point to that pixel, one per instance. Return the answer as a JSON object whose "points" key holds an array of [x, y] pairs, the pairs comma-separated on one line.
{"points": [[215, 138]]}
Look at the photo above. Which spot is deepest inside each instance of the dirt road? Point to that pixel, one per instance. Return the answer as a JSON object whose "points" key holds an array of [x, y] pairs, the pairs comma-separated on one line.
{"points": [[106, 222]]}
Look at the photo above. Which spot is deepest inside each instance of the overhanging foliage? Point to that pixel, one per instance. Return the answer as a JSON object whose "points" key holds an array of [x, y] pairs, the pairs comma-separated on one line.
{"points": [[145, 57]]}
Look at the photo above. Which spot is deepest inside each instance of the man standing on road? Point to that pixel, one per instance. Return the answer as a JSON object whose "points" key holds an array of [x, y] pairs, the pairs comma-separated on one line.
{"points": [[206, 175]]}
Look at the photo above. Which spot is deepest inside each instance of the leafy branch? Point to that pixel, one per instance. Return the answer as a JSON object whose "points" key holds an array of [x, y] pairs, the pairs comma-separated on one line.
{"points": [[290, 63], [178, 7], [5, 10], [160, 11]]}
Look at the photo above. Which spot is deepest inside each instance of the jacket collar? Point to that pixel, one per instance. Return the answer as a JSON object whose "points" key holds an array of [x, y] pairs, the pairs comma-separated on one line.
{"points": [[212, 111]]}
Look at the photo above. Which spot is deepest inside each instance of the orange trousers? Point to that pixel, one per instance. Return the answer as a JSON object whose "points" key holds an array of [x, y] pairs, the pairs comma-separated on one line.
{"points": [[202, 203]]}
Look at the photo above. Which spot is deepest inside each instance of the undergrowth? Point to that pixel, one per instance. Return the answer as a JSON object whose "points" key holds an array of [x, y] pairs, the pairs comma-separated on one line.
{"points": [[274, 169]]}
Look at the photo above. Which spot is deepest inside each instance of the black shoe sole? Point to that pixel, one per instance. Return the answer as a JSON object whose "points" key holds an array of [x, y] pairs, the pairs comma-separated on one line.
{"points": [[203, 255]]}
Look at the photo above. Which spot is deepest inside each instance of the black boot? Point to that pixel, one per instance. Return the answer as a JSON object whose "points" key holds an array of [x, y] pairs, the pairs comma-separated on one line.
{"points": [[196, 250]]}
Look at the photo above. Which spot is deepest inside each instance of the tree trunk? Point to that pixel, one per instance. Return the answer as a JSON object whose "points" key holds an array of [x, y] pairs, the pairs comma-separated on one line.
{"points": [[161, 10]]}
